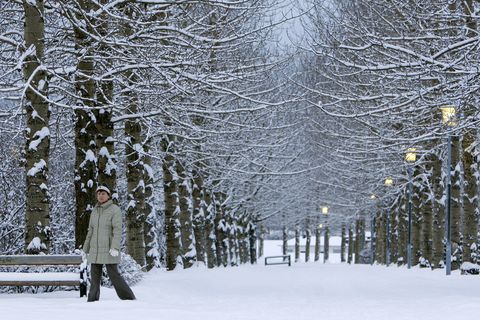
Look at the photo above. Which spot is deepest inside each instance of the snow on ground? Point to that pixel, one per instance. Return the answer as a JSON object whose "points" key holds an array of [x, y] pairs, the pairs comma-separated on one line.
{"points": [[304, 291]]}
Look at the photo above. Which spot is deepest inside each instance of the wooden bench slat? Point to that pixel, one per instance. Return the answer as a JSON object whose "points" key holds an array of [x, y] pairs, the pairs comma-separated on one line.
{"points": [[44, 278], [41, 283], [11, 260]]}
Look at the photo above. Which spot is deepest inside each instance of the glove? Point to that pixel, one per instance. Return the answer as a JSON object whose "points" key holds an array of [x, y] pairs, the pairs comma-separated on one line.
{"points": [[113, 252], [81, 253]]}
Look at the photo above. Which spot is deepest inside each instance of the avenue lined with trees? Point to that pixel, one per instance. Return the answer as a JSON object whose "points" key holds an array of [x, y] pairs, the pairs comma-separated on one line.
{"points": [[211, 135]]}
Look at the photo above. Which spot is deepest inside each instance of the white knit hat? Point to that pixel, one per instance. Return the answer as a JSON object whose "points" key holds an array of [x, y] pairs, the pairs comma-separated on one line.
{"points": [[103, 188]]}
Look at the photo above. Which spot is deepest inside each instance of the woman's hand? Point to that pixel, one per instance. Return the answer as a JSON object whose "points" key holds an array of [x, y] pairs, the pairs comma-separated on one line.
{"points": [[113, 252]]}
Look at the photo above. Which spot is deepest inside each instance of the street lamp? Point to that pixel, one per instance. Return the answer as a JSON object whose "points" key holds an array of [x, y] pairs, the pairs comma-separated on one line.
{"points": [[411, 157], [325, 210], [448, 119], [388, 183]]}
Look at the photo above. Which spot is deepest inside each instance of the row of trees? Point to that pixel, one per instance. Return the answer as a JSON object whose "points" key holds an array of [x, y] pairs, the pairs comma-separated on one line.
{"points": [[376, 75], [175, 106]]}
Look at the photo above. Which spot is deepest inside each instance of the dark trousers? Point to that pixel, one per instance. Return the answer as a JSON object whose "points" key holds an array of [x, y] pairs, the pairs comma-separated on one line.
{"points": [[121, 287]]}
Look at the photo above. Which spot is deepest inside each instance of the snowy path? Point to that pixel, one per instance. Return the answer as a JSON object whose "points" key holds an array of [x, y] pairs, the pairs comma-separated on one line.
{"points": [[303, 291]]}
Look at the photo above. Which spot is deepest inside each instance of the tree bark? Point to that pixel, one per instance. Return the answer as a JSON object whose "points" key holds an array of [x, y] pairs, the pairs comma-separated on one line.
{"points": [[380, 238], [470, 198], [359, 238], [426, 213], [416, 221], [284, 241], [106, 161], [37, 133], [252, 238], [211, 239], [317, 243], [198, 219], [456, 209], [152, 247], [350, 243], [172, 231], [326, 245], [438, 213], [189, 253], [307, 243], [85, 131], [297, 244]]}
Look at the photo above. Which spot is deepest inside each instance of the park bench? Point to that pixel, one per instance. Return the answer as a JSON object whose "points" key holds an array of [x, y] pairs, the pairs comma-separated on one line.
{"points": [[285, 259], [44, 278]]}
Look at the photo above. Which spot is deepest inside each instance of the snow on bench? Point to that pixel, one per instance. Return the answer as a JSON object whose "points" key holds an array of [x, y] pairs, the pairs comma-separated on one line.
{"points": [[285, 259], [44, 278]]}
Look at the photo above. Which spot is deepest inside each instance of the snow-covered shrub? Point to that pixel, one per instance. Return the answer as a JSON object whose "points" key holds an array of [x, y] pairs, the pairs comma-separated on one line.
{"points": [[469, 268], [424, 263], [130, 270]]}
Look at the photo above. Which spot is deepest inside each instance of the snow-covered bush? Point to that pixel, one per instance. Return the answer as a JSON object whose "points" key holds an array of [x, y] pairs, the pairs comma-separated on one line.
{"points": [[469, 268], [130, 270]]}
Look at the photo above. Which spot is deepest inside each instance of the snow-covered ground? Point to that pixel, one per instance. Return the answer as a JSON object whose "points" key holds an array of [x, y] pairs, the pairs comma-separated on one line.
{"points": [[303, 291]]}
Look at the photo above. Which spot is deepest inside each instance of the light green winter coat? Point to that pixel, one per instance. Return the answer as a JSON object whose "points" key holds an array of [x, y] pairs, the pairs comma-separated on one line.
{"points": [[104, 233]]}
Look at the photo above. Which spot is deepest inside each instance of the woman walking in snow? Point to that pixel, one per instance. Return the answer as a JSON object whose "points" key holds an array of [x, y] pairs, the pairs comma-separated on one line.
{"points": [[102, 246]]}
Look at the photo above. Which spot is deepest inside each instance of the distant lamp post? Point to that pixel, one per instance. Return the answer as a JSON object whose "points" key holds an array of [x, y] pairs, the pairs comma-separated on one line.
{"points": [[388, 182], [448, 119], [411, 157], [325, 210]]}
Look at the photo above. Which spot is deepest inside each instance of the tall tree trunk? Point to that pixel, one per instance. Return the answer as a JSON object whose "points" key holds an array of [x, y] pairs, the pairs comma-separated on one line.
{"points": [[232, 236], [85, 131], [403, 228], [317, 243], [211, 239], [427, 212], [221, 240], [350, 243], [359, 238], [326, 245], [252, 238], [135, 215], [261, 238], [470, 199], [456, 215], [198, 217], [170, 193], [416, 221], [224, 229], [343, 244], [470, 166], [297, 244], [37, 142], [308, 235], [152, 247], [394, 233], [189, 253], [284, 241], [106, 162], [438, 213], [380, 238]]}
